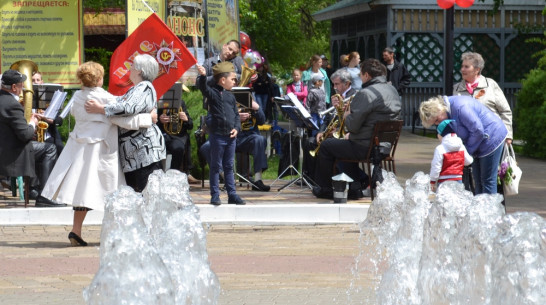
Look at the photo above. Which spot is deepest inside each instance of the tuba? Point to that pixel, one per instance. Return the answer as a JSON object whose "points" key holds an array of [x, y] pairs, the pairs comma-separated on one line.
{"points": [[26, 67], [245, 76]]}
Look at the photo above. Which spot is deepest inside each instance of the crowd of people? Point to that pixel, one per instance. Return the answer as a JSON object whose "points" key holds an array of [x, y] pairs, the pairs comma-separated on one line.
{"points": [[116, 140]]}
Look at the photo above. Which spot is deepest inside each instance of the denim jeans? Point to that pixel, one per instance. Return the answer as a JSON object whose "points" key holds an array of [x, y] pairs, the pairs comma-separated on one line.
{"points": [[262, 100], [222, 154], [484, 170]]}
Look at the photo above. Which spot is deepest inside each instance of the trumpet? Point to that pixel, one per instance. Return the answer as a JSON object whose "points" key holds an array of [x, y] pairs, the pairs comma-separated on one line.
{"points": [[327, 111]]}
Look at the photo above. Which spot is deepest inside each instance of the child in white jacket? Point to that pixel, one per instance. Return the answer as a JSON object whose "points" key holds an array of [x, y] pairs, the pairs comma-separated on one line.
{"points": [[450, 157]]}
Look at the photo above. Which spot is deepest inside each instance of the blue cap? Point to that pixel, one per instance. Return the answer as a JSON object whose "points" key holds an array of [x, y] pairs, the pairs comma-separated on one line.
{"points": [[445, 128]]}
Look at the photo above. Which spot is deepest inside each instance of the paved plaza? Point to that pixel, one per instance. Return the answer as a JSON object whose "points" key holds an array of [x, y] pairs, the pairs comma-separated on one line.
{"points": [[256, 264]]}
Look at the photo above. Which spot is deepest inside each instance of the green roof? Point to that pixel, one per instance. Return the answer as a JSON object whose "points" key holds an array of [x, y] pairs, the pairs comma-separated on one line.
{"points": [[342, 8]]}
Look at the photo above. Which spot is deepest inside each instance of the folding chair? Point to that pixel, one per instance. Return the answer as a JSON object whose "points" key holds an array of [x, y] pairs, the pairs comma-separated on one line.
{"points": [[387, 134]]}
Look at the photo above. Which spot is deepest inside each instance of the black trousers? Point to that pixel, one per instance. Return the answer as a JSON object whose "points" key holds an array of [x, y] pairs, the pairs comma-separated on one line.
{"points": [[45, 155], [180, 150], [333, 149], [138, 178]]}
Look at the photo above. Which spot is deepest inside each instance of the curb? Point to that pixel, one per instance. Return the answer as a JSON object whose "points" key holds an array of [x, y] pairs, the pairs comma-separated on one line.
{"points": [[263, 214]]}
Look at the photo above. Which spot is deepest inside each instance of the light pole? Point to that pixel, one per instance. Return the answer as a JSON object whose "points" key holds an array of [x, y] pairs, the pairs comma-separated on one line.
{"points": [[448, 5]]}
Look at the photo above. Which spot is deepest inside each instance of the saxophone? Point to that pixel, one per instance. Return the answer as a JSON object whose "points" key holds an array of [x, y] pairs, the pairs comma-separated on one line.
{"points": [[331, 127]]}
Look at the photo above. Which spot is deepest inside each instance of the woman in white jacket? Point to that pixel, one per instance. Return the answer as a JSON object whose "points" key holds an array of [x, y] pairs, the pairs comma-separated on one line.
{"points": [[484, 89], [89, 166]]}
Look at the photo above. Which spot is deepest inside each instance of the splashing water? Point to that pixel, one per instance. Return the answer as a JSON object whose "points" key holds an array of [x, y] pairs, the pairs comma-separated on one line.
{"points": [[452, 248], [153, 248]]}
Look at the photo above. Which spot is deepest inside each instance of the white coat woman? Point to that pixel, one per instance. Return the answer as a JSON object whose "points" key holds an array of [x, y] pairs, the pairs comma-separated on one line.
{"points": [[88, 168]]}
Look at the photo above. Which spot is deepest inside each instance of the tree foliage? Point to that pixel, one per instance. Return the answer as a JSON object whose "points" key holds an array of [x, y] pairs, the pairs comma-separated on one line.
{"points": [[99, 5], [530, 112], [284, 31]]}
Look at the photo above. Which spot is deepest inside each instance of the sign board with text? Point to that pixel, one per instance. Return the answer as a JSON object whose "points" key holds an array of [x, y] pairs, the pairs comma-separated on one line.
{"points": [[50, 33], [137, 12], [223, 23], [203, 26]]}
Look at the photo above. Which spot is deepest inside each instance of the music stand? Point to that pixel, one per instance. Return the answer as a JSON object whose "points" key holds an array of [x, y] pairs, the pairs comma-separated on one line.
{"points": [[43, 93], [299, 117], [171, 101], [243, 96]]}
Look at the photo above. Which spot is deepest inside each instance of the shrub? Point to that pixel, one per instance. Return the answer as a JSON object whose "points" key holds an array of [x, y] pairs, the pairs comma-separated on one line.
{"points": [[530, 112]]}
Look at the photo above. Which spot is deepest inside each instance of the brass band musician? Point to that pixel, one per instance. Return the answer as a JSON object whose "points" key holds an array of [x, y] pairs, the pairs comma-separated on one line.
{"points": [[341, 80], [52, 134], [376, 101], [178, 145], [21, 156]]}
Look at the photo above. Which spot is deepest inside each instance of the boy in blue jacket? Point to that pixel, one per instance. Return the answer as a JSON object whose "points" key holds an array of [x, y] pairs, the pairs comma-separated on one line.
{"points": [[224, 124]]}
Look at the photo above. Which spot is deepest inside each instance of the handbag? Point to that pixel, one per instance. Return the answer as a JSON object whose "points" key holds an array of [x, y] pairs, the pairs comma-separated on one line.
{"points": [[512, 172]]}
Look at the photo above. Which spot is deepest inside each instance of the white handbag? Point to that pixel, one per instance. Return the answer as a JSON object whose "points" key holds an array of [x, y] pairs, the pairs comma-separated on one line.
{"points": [[511, 185]]}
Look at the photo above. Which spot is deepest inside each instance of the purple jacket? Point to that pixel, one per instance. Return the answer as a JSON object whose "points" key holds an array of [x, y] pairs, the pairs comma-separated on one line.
{"points": [[481, 130]]}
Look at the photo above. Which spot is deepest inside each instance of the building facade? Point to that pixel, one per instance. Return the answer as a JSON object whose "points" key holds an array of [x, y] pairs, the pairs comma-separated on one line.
{"points": [[415, 29]]}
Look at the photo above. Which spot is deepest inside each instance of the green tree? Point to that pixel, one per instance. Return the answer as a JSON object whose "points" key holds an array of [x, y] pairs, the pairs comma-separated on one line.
{"points": [[284, 31], [99, 5], [530, 112]]}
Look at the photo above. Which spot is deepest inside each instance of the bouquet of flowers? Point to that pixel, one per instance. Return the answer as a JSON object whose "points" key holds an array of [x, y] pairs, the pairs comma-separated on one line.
{"points": [[504, 173]]}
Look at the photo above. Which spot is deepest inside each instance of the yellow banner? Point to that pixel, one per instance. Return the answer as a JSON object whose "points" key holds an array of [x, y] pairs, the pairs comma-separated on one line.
{"points": [[137, 12], [223, 23], [50, 33]]}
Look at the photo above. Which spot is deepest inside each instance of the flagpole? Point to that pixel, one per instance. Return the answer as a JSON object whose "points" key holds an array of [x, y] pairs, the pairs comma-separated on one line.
{"points": [[146, 4]]}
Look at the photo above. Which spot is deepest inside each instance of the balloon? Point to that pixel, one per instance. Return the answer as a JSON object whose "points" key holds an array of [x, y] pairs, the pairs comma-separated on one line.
{"points": [[464, 3], [244, 39], [253, 59], [445, 4]]}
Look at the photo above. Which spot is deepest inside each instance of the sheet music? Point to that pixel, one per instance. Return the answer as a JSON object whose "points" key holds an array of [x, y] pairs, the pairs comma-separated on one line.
{"points": [[294, 113], [55, 105], [66, 109], [298, 105]]}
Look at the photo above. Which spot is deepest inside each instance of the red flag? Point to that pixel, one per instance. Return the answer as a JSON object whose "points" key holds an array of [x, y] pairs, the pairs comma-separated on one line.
{"points": [[152, 37]]}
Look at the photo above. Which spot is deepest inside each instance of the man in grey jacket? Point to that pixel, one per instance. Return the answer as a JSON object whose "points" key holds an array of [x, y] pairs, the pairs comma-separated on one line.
{"points": [[377, 101]]}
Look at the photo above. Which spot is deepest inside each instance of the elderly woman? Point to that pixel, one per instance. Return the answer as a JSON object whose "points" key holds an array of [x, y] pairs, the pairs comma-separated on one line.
{"points": [[484, 89], [140, 151], [88, 167], [483, 133], [315, 68]]}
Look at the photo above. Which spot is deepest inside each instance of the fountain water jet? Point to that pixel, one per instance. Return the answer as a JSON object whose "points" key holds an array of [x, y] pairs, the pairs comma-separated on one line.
{"points": [[451, 248], [153, 248]]}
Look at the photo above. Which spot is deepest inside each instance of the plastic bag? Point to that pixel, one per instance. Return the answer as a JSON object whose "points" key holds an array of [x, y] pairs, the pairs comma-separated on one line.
{"points": [[512, 174]]}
